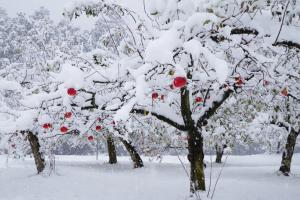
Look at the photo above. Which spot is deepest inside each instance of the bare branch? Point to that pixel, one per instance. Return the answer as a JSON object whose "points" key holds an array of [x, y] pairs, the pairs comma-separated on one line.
{"points": [[162, 118]]}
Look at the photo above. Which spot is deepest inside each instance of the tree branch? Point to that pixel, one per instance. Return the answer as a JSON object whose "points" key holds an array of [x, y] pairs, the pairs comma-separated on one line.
{"points": [[216, 104], [288, 44], [162, 118], [211, 111], [238, 31], [282, 21]]}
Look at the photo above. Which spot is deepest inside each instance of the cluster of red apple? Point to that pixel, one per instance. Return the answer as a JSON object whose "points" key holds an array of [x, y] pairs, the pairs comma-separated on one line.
{"points": [[64, 129], [284, 92], [97, 128], [155, 95], [67, 115]]}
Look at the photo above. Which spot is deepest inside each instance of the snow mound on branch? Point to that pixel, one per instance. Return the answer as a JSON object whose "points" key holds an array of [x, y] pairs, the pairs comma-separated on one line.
{"points": [[141, 85], [9, 85], [35, 100], [26, 120], [220, 65], [161, 50], [157, 6], [198, 21], [45, 118], [141, 88], [123, 113], [71, 76]]}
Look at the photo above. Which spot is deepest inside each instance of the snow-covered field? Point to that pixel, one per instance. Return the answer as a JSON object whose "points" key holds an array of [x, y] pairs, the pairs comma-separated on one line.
{"points": [[83, 178]]}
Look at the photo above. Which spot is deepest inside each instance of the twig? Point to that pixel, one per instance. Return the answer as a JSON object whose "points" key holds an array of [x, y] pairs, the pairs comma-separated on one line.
{"points": [[282, 21], [210, 174], [187, 173], [219, 175], [110, 34]]}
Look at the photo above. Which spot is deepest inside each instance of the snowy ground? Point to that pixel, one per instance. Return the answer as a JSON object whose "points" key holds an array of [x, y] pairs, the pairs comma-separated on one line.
{"points": [[83, 178]]}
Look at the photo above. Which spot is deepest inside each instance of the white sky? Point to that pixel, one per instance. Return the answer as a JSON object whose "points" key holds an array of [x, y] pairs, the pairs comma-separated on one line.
{"points": [[56, 8]]}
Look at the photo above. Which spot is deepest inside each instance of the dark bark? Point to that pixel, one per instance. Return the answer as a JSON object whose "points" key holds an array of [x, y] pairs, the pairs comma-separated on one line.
{"points": [[239, 31], [278, 148], [35, 147], [212, 110], [162, 118], [288, 152], [288, 44], [195, 145], [111, 150], [135, 157], [219, 153], [196, 158]]}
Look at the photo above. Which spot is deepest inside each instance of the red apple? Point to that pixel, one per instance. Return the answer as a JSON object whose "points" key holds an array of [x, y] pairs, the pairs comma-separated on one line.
{"points": [[239, 81], [179, 82], [68, 115], [199, 99], [90, 138], [72, 92], [266, 83], [284, 92], [47, 125], [98, 128], [63, 129], [154, 95]]}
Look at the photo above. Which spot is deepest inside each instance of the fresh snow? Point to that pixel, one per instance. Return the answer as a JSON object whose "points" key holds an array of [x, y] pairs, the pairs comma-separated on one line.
{"points": [[83, 178]]}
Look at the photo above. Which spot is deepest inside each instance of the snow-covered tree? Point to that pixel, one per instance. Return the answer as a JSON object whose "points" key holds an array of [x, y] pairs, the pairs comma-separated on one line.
{"points": [[205, 50]]}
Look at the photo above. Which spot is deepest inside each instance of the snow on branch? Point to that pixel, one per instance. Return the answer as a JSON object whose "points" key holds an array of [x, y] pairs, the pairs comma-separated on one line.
{"points": [[216, 104], [288, 44], [162, 118], [96, 8], [238, 31]]}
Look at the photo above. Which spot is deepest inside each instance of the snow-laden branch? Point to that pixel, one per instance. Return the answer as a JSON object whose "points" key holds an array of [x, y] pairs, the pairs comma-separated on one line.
{"points": [[162, 118], [216, 105], [288, 44]]}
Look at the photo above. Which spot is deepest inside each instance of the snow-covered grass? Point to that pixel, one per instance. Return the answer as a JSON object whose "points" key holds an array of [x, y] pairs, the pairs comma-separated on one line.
{"points": [[83, 178]]}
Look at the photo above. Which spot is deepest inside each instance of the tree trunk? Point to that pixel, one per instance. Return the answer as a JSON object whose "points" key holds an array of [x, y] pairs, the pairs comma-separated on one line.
{"points": [[195, 145], [135, 157], [35, 147], [196, 158], [278, 148], [219, 153], [288, 152], [111, 150]]}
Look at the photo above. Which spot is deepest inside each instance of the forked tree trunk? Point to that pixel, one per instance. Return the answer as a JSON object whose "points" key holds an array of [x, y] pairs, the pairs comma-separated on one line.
{"points": [[135, 157], [35, 147], [111, 150], [288, 152], [219, 153]]}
